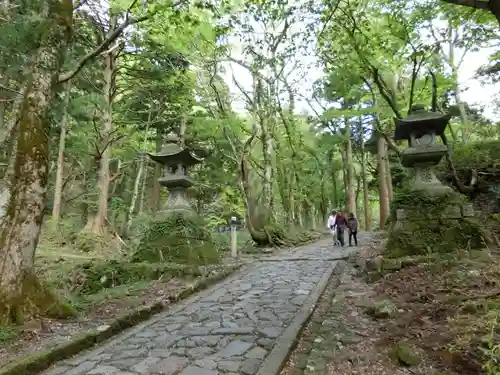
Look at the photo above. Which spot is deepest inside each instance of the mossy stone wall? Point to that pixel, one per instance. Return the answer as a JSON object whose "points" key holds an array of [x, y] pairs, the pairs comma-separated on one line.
{"points": [[428, 227], [177, 238]]}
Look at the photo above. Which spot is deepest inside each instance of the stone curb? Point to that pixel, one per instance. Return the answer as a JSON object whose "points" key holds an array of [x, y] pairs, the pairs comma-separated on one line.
{"points": [[289, 339], [331, 259], [39, 362]]}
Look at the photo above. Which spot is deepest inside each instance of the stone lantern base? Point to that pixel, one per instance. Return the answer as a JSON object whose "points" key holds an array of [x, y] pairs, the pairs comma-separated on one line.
{"points": [[422, 160], [176, 238], [425, 180], [177, 203], [423, 224]]}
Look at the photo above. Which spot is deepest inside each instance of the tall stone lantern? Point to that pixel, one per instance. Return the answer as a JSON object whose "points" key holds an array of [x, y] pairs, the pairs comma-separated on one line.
{"points": [[420, 128], [176, 161], [435, 218]]}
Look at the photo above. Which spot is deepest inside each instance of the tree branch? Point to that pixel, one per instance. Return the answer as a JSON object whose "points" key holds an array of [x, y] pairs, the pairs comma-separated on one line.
{"points": [[109, 39]]}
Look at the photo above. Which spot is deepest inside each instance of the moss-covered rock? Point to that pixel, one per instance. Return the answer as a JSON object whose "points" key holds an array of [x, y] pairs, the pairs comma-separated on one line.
{"points": [[374, 264], [374, 276], [90, 278], [406, 354], [177, 239], [392, 264], [428, 229], [87, 241], [382, 309]]}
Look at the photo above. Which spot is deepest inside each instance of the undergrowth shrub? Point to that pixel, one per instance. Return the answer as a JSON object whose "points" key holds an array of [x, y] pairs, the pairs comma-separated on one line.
{"points": [[87, 241]]}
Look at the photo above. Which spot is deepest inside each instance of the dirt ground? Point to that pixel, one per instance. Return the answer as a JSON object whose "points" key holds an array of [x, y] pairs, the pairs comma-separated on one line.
{"points": [[433, 318]]}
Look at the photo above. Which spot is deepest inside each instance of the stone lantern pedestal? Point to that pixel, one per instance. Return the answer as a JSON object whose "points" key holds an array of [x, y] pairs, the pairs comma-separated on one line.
{"points": [[428, 216]]}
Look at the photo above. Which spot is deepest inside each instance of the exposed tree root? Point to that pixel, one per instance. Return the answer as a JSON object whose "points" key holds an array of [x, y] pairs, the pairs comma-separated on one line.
{"points": [[35, 299]]}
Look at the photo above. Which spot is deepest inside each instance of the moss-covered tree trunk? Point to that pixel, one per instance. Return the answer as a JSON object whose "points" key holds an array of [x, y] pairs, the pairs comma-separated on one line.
{"points": [[4, 99], [388, 173], [99, 223], [382, 181], [20, 228]]}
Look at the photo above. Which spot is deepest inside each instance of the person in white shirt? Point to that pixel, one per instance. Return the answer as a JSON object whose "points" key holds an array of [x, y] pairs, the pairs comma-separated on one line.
{"points": [[331, 224]]}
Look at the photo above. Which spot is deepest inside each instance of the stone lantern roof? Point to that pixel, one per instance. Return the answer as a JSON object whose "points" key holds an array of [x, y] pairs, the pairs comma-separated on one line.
{"points": [[420, 122], [173, 154]]}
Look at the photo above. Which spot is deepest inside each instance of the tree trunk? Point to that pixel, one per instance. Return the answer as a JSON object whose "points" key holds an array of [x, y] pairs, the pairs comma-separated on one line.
{"points": [[143, 188], [345, 178], [358, 190], [267, 157], [366, 200], [9, 129], [138, 177], [351, 199], [388, 173], [56, 208], [135, 195], [4, 96], [155, 196], [333, 176], [382, 181], [98, 223], [20, 227]]}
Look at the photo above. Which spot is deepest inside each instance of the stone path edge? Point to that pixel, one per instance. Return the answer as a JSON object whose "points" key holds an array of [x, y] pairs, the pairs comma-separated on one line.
{"points": [[131, 323], [289, 339]]}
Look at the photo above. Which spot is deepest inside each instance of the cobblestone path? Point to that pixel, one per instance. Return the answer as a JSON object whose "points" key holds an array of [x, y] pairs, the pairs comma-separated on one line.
{"points": [[229, 329]]}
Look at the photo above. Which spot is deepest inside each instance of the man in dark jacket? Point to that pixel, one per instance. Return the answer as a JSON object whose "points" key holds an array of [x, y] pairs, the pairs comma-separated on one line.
{"points": [[341, 224], [352, 225]]}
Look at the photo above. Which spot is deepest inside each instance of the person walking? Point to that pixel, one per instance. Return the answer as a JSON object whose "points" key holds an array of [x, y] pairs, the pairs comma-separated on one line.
{"points": [[352, 225], [331, 225], [340, 224]]}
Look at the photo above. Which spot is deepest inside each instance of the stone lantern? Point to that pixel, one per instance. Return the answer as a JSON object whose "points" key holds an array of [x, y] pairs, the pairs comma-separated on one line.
{"points": [[420, 129], [448, 208], [176, 161]]}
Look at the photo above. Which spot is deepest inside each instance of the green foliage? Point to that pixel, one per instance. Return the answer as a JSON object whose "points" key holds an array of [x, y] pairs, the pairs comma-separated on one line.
{"points": [[427, 230], [7, 333], [482, 156], [178, 239]]}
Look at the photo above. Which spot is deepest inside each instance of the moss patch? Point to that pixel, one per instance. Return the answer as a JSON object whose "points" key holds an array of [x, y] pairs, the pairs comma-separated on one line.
{"points": [[427, 230], [34, 299], [177, 239]]}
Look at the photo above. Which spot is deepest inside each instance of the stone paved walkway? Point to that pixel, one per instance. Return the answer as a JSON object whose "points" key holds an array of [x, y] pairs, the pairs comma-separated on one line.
{"points": [[228, 329]]}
